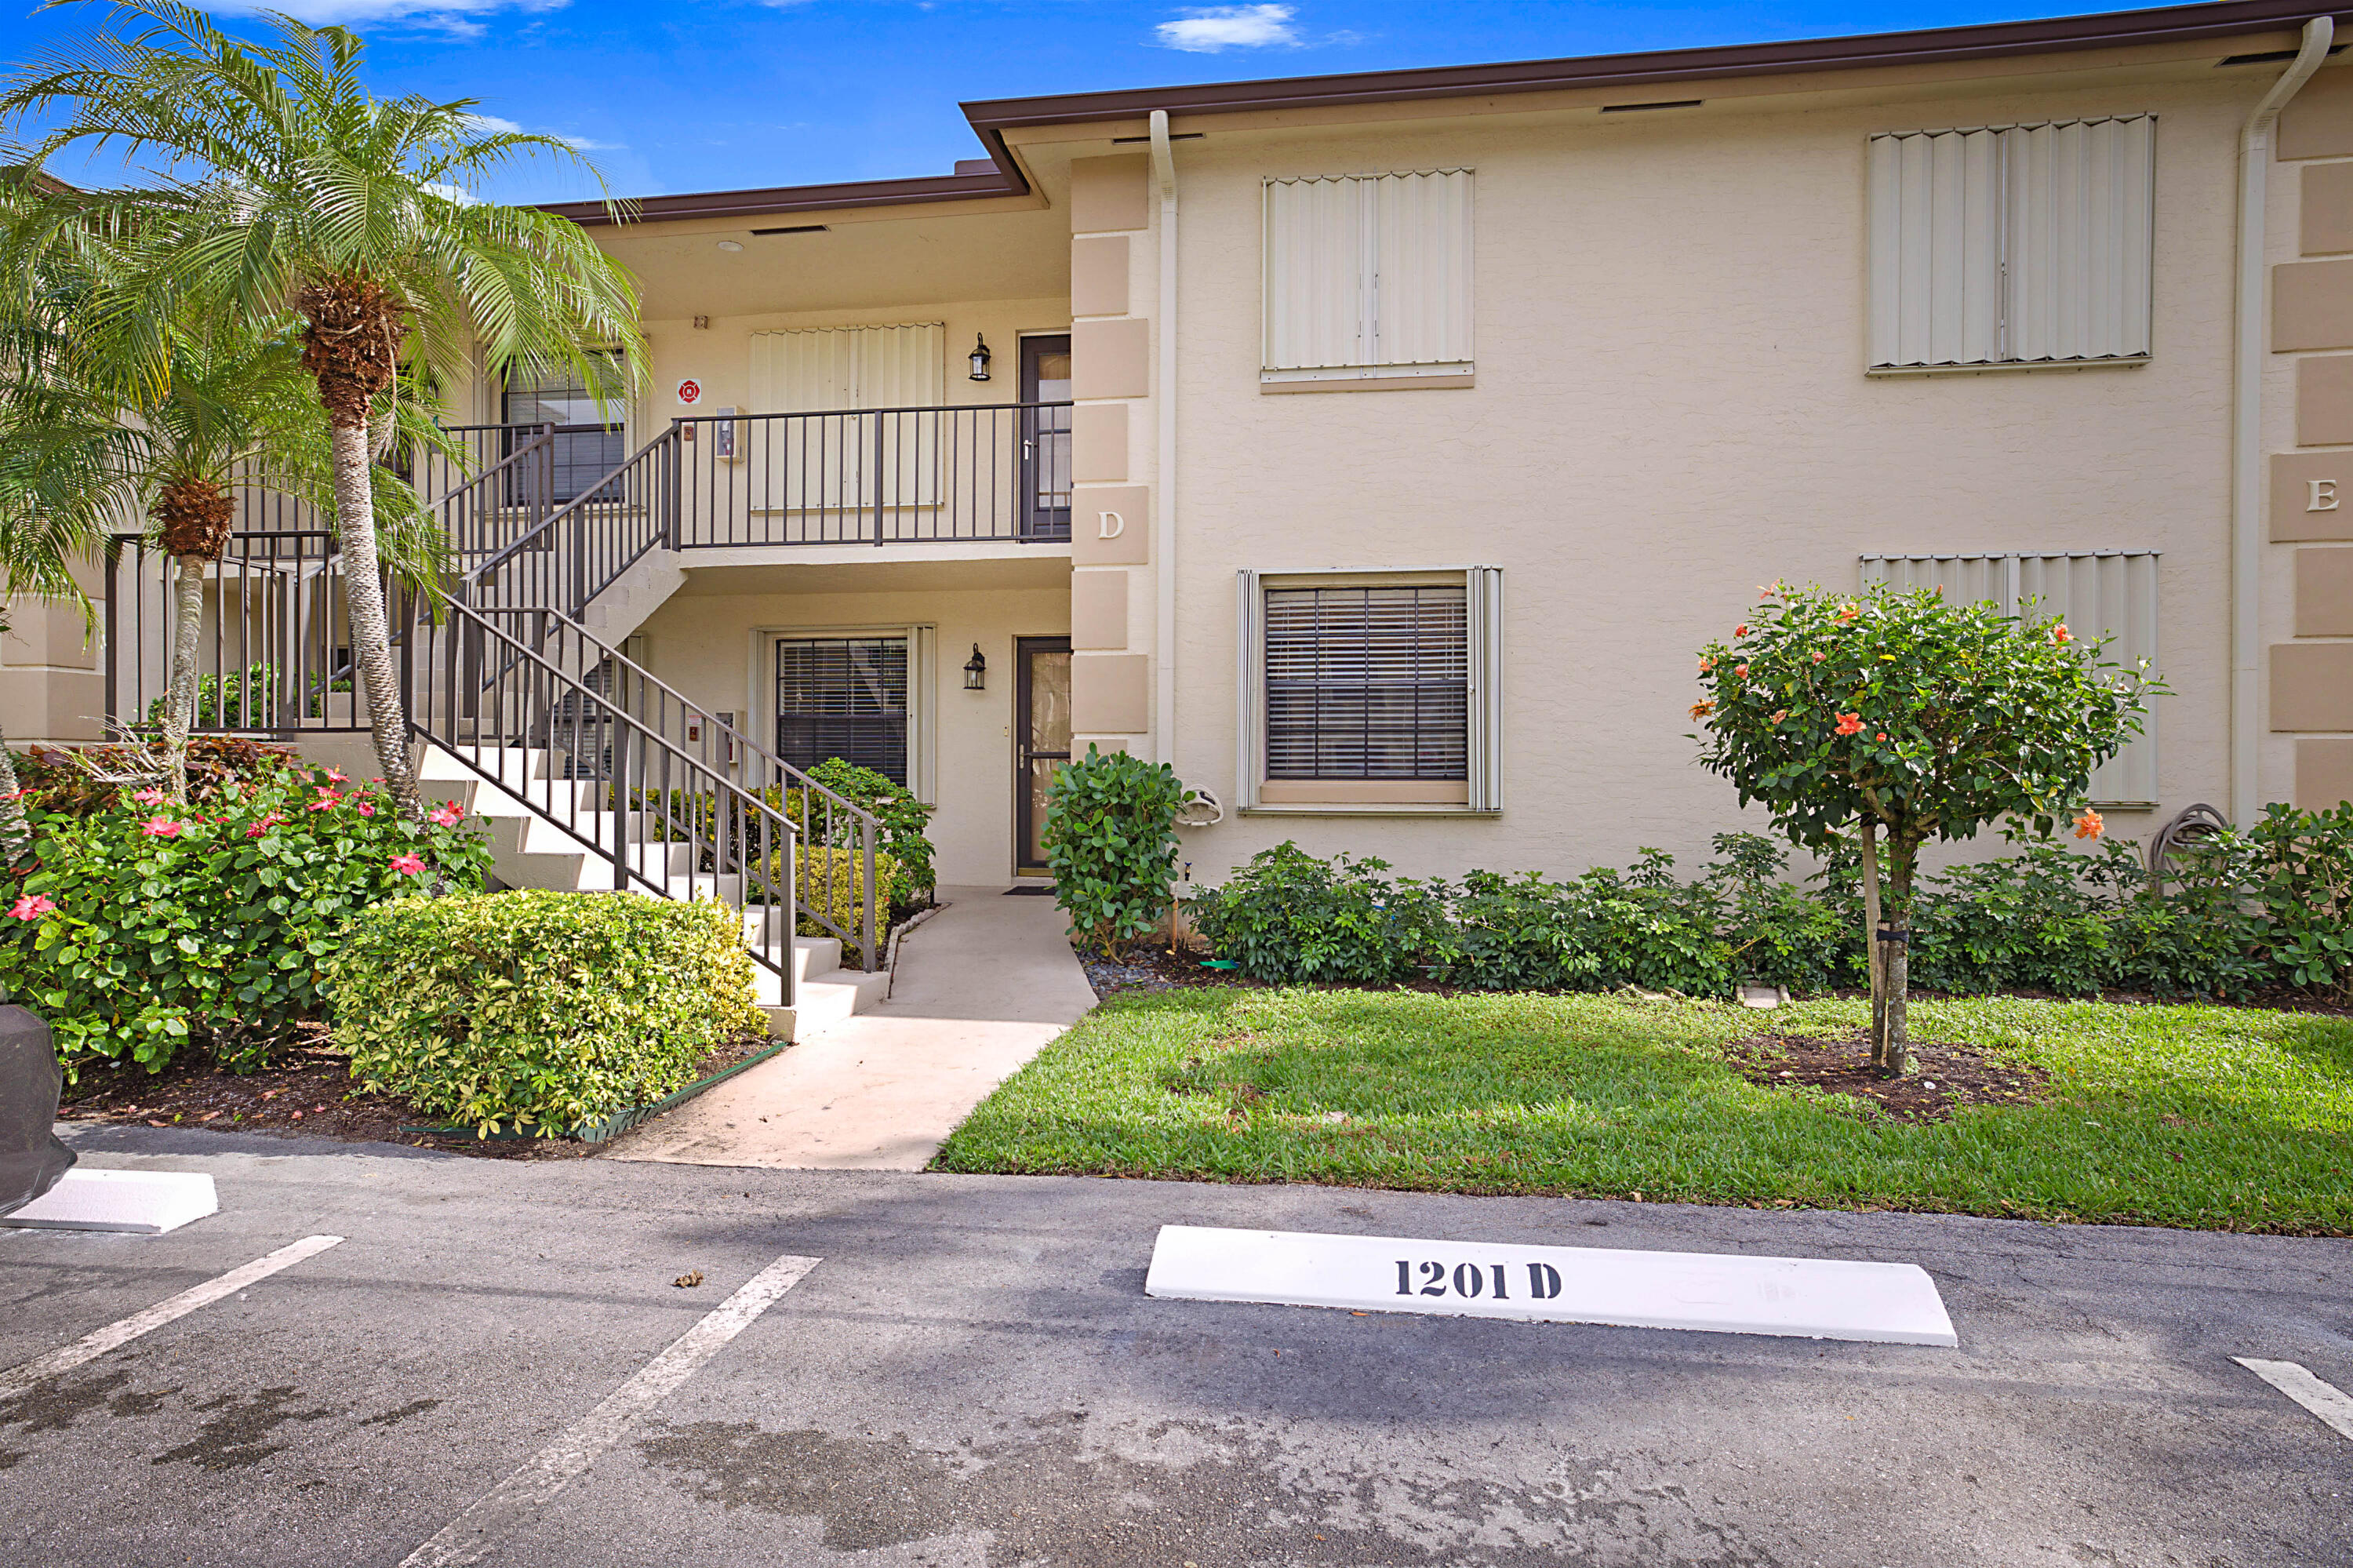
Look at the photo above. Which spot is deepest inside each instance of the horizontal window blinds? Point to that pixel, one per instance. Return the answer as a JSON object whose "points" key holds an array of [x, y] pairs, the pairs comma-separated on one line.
{"points": [[2012, 245], [1367, 273], [1368, 683], [846, 697], [2108, 594]]}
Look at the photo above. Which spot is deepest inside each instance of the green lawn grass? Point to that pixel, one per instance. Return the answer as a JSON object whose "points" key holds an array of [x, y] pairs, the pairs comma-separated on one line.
{"points": [[1614, 1096]]}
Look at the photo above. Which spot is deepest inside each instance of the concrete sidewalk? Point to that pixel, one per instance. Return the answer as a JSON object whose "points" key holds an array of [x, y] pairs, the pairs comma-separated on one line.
{"points": [[982, 986]]}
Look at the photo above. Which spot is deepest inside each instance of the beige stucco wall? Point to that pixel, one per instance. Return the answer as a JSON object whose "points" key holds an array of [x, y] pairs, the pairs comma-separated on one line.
{"points": [[706, 642], [1670, 409]]}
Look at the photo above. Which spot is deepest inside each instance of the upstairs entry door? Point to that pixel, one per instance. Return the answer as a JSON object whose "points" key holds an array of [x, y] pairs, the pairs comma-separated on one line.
{"points": [[1046, 439], [1042, 741]]}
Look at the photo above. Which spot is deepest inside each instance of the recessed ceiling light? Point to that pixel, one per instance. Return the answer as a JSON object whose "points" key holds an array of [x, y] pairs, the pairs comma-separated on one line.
{"points": [[731, 245]]}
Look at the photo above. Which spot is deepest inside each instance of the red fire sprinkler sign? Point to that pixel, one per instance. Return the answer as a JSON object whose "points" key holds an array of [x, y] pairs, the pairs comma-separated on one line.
{"points": [[690, 391]]}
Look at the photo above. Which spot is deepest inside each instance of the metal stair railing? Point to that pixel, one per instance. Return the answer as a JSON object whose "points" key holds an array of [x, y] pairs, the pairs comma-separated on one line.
{"points": [[579, 549], [665, 821], [836, 887]]}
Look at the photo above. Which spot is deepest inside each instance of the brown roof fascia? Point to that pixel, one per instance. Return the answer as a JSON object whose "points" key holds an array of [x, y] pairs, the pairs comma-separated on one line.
{"points": [[991, 118]]}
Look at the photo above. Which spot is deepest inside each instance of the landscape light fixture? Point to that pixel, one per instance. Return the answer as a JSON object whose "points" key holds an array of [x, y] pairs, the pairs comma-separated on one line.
{"points": [[976, 671], [979, 358]]}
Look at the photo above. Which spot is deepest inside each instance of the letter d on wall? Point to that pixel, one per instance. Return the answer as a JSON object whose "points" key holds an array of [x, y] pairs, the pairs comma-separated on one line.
{"points": [[1110, 524]]}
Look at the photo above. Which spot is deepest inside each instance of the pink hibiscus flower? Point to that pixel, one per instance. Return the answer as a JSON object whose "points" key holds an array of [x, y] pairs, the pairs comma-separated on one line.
{"points": [[445, 815], [408, 864], [160, 828], [32, 906]]}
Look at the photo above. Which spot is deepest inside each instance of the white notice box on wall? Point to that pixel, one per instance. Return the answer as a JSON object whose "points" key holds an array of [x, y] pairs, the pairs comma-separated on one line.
{"points": [[1731, 1293]]}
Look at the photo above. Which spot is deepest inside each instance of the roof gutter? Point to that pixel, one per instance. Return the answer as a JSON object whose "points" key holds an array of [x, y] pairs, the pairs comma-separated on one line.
{"points": [[2246, 427], [1164, 456]]}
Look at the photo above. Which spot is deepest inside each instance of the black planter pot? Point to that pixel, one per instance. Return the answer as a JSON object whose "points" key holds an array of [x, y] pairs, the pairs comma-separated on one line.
{"points": [[31, 1157]]}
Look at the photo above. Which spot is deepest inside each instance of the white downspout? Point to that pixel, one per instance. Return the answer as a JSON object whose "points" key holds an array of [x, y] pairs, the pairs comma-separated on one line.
{"points": [[2246, 427], [1164, 459]]}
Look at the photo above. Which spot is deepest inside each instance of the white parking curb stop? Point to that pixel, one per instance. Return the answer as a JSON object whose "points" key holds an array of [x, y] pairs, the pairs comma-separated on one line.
{"points": [[1729, 1293], [142, 1202]]}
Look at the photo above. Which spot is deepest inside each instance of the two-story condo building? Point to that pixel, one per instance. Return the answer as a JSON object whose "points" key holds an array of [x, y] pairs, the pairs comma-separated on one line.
{"points": [[1379, 448]]}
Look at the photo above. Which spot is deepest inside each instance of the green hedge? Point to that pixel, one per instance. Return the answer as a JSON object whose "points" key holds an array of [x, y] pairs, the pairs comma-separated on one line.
{"points": [[536, 1009], [2265, 910]]}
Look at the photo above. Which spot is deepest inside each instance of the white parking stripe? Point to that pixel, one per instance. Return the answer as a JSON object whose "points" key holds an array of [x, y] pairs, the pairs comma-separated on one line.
{"points": [[474, 1534], [2329, 1404], [16, 1380]]}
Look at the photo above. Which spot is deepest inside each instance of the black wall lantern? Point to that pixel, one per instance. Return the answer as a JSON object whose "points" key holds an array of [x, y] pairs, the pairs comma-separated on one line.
{"points": [[976, 670], [979, 358]]}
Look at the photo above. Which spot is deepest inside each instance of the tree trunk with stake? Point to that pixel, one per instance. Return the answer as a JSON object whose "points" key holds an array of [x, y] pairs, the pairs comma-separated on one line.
{"points": [[1897, 961], [1873, 956], [351, 344]]}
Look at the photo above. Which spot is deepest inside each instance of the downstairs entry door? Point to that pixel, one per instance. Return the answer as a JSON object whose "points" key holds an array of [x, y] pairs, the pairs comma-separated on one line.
{"points": [[1041, 740]]}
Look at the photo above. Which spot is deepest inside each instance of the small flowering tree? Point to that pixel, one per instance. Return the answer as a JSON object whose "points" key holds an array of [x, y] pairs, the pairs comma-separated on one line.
{"points": [[1902, 714]]}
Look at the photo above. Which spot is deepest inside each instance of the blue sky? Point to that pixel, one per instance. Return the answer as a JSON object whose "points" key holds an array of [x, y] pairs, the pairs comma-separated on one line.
{"points": [[720, 94]]}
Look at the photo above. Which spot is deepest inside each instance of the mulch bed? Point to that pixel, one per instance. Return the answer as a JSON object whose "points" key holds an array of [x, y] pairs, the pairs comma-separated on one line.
{"points": [[1944, 1077], [1151, 967], [307, 1090]]}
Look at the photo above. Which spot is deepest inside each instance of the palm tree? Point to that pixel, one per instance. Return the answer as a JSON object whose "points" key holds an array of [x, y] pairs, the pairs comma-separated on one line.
{"points": [[267, 180]]}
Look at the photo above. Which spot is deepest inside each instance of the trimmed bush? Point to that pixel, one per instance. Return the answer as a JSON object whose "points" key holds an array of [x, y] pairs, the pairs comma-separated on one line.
{"points": [[1111, 842], [140, 925], [539, 1010], [834, 880]]}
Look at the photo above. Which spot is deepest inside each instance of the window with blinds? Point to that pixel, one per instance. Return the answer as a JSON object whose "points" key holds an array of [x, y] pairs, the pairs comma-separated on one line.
{"points": [[2107, 594], [846, 697], [1368, 683], [1367, 276], [588, 443], [2012, 245]]}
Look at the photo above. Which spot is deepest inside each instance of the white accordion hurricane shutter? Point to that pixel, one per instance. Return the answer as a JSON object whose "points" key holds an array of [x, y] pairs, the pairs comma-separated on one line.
{"points": [[2018, 245], [1367, 275], [2108, 593]]}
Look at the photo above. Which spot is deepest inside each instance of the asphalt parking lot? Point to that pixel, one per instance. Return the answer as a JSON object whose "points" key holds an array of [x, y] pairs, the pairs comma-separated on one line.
{"points": [[970, 1374]]}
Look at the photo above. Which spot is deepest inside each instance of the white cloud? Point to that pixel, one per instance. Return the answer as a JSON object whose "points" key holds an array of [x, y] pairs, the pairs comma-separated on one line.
{"points": [[462, 196], [461, 17], [499, 125], [1206, 31]]}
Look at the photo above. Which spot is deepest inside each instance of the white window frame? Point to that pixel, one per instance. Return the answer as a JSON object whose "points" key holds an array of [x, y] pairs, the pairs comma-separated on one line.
{"points": [[1368, 365], [1483, 599], [2130, 780], [922, 704], [1988, 244]]}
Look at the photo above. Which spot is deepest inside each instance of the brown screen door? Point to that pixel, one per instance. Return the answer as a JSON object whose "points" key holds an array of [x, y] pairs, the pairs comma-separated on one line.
{"points": [[1041, 739]]}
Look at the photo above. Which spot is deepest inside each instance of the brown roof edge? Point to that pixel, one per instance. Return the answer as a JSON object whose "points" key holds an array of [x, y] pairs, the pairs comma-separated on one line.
{"points": [[1985, 41], [989, 118]]}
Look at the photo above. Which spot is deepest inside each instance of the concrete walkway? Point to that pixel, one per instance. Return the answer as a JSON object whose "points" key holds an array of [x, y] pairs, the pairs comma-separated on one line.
{"points": [[982, 986]]}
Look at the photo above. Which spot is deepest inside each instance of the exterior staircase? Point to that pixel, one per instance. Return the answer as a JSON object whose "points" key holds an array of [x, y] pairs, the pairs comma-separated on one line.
{"points": [[530, 847], [590, 773]]}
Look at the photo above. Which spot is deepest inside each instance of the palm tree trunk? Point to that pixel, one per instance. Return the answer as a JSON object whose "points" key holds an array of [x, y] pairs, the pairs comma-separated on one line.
{"points": [[364, 604], [180, 688], [16, 827]]}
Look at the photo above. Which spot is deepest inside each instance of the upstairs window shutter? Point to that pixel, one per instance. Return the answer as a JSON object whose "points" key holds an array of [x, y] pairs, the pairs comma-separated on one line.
{"points": [[1367, 276], [2013, 245], [2107, 594], [855, 459], [808, 370]]}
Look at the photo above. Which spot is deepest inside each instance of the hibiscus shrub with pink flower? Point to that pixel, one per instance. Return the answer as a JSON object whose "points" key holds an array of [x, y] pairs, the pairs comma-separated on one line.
{"points": [[1902, 717], [141, 925]]}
